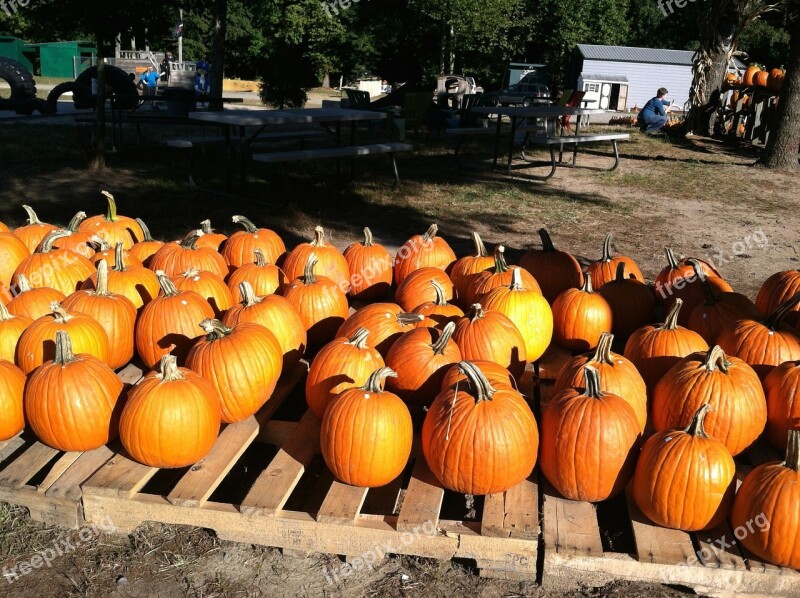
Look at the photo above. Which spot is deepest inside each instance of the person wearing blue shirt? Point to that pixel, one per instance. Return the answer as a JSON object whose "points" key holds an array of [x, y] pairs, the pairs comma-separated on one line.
{"points": [[150, 79], [654, 114]]}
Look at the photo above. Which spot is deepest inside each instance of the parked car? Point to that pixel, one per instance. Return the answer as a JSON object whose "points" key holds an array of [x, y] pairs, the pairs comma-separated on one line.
{"points": [[524, 93]]}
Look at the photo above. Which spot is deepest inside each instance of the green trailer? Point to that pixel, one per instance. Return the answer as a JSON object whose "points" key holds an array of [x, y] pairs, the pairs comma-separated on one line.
{"points": [[64, 60], [16, 49]]}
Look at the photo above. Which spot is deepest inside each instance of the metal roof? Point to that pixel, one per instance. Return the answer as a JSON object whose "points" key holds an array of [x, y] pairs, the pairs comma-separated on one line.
{"points": [[626, 54], [604, 78]]}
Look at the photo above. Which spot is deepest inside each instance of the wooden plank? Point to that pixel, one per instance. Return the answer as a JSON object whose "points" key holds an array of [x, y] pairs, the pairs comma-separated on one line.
{"points": [[130, 374], [69, 484], [423, 499], [120, 476], [383, 500], [199, 483], [342, 504], [58, 469], [656, 544], [717, 548], [494, 515], [570, 527], [275, 484], [522, 509], [27, 465], [10, 446]]}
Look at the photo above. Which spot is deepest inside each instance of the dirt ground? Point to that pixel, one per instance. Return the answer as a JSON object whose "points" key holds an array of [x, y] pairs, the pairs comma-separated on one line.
{"points": [[701, 197]]}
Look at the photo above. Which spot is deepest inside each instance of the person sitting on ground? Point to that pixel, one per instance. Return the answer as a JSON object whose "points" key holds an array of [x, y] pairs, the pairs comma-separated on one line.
{"points": [[654, 114]]}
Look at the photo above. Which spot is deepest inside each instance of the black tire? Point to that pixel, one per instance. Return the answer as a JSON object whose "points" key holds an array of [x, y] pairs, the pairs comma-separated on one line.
{"points": [[116, 79], [81, 95], [23, 87]]}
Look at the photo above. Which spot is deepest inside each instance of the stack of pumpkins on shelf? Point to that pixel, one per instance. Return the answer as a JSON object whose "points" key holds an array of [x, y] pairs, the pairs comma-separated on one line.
{"points": [[218, 319]]}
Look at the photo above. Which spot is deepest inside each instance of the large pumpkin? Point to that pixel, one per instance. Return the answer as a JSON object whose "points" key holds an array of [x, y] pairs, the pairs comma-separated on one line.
{"points": [[330, 261], [750, 73], [554, 270], [763, 343], [678, 269], [33, 303], [465, 269], [761, 79], [631, 301], [265, 278], [105, 252], [605, 269], [654, 349], [775, 79], [618, 376], [145, 249], [13, 252], [438, 312], [777, 289], [491, 335], [691, 290], [12, 386], [529, 311], [209, 238], [342, 363], [137, 283], [782, 389], [37, 343], [738, 406], [321, 303], [11, 329], [768, 498], [70, 402], [113, 228], [209, 286], [242, 363], [366, 434], [175, 258], [588, 441], [79, 241], [240, 247], [277, 315], [460, 432], [115, 313], [719, 311], [417, 289], [370, 267], [170, 323], [684, 478], [580, 316], [499, 276], [422, 251], [497, 375], [420, 358], [385, 322], [59, 269], [34, 231], [171, 418]]}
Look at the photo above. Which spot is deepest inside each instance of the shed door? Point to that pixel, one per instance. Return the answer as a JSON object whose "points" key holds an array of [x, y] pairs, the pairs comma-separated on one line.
{"points": [[622, 101]]}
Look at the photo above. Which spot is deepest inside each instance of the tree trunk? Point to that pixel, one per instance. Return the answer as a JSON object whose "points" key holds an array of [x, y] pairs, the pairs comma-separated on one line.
{"points": [[217, 73], [784, 138], [97, 159]]}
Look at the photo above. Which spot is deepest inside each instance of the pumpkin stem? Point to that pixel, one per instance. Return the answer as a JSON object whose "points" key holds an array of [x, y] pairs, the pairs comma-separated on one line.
{"points": [[190, 240], [440, 299], [444, 338], [64, 354], [59, 313], [476, 312], [776, 317], [671, 259], [23, 284], [367, 237], [111, 214], [215, 329], [261, 260], [606, 249], [319, 237], [620, 274], [101, 243], [170, 372], [148, 238], [167, 286], [697, 427], [711, 298], [359, 338], [249, 298], [248, 226], [75, 223], [500, 264], [205, 227], [119, 258], [716, 359], [480, 248], [308, 272], [376, 378], [32, 217], [406, 319], [547, 242], [430, 233], [47, 243], [5, 315], [602, 353], [793, 451], [671, 321], [592, 377], [483, 388], [587, 284], [101, 286], [516, 280]]}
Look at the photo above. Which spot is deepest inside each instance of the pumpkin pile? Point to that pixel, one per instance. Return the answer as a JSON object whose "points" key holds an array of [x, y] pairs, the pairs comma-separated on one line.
{"points": [[666, 382]]}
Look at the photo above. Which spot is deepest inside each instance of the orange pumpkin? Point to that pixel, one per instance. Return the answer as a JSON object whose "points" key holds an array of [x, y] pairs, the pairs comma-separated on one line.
{"points": [[275, 314], [170, 323], [718, 311], [385, 322], [417, 288], [460, 431], [241, 246], [777, 289], [466, 268], [354, 439], [769, 497], [618, 376], [171, 418], [113, 228], [499, 276], [34, 231], [4, 228], [580, 316], [422, 251], [59, 269], [330, 261], [588, 441], [115, 313], [496, 374], [421, 358], [37, 343], [631, 301], [491, 335], [605, 269], [342, 363], [79, 241], [12, 386], [321, 303], [749, 74], [209, 286], [175, 258], [370, 267], [438, 312], [137, 283], [105, 252], [782, 389], [209, 238], [70, 402], [554, 270], [684, 478], [12, 253], [691, 289], [761, 79], [33, 303], [265, 278], [145, 249], [11, 328], [242, 363], [738, 407]]}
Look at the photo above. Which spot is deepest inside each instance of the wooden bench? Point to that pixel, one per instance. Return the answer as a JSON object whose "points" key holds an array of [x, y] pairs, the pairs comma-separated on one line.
{"points": [[462, 133], [350, 151], [574, 140]]}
